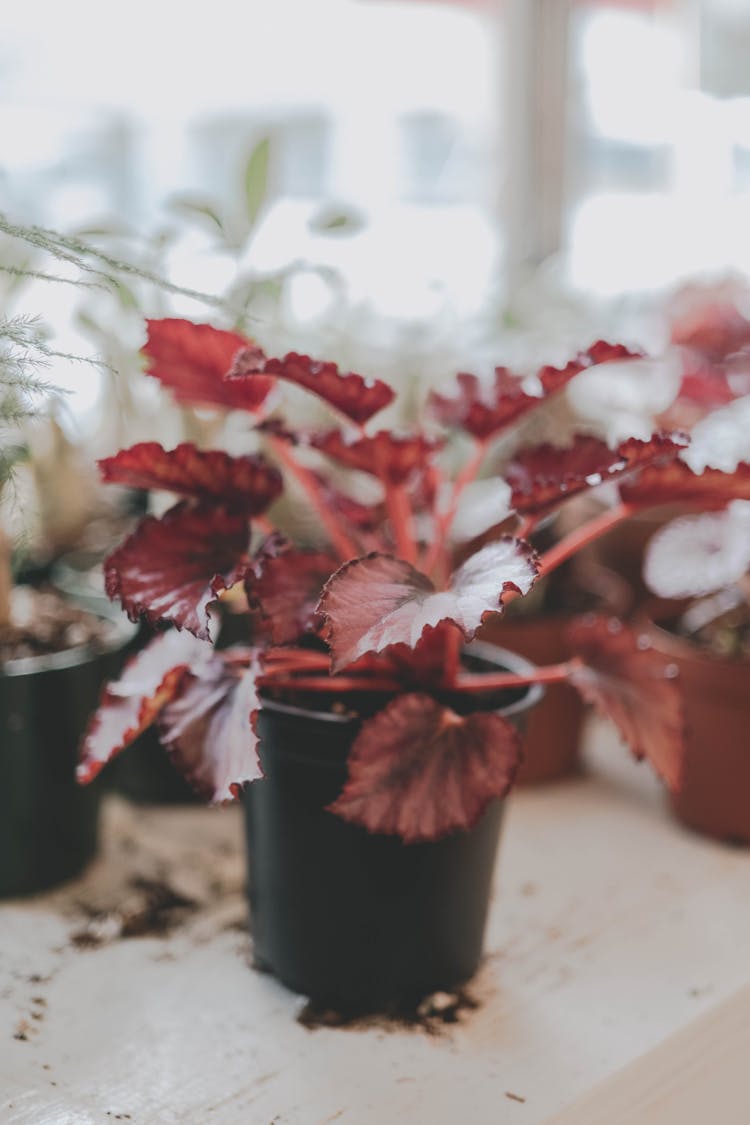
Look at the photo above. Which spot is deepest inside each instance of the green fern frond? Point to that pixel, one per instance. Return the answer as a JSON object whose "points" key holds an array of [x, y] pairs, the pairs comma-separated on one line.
{"points": [[96, 263]]}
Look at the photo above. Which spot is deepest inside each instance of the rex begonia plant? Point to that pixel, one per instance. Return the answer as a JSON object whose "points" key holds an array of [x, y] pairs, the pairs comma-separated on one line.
{"points": [[377, 605]]}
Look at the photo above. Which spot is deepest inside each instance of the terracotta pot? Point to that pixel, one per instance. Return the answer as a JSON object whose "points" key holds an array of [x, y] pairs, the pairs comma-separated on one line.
{"points": [[553, 729], [359, 921], [715, 796]]}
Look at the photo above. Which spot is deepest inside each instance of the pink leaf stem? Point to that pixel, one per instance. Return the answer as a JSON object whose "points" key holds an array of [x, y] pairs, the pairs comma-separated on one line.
{"points": [[307, 481], [571, 544], [467, 475], [401, 520], [330, 684], [453, 644], [497, 681]]}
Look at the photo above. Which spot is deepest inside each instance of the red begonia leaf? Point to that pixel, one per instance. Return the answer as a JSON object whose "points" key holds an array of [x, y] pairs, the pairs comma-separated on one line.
{"points": [[378, 601], [247, 484], [192, 361], [706, 385], [676, 483], [171, 570], [352, 395], [635, 686], [420, 771], [544, 475], [424, 665], [130, 704], [714, 327], [208, 728], [285, 586], [393, 458], [485, 413]]}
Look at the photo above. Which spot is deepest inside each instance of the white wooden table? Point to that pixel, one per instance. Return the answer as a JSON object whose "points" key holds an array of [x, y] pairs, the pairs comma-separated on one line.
{"points": [[615, 983]]}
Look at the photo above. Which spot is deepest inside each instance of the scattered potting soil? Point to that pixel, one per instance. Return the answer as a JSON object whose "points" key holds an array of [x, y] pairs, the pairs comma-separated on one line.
{"points": [[43, 622], [163, 873], [153, 910], [432, 1015]]}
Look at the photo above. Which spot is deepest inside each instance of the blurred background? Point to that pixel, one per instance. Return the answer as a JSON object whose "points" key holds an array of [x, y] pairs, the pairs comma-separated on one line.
{"points": [[388, 182]]}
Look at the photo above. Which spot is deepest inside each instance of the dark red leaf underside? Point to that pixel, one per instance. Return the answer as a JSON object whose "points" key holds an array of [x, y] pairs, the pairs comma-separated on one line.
{"points": [[419, 771], [171, 570], [484, 415], [545, 475], [208, 728], [379, 601], [192, 361], [130, 704], [675, 482], [635, 686], [285, 586], [247, 484], [387, 456], [424, 665], [352, 395]]}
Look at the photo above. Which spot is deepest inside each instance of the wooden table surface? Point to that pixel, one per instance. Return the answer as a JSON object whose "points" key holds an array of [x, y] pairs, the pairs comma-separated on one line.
{"points": [[615, 987]]}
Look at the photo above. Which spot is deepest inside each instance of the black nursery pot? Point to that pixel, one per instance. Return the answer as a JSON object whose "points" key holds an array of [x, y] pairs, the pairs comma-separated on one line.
{"points": [[48, 823], [359, 921]]}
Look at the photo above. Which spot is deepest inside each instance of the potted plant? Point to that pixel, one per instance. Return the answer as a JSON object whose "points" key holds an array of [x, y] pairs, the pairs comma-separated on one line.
{"points": [[53, 659], [384, 737], [704, 370], [697, 566]]}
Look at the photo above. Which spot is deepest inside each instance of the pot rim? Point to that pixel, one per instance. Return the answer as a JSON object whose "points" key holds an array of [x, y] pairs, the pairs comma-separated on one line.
{"points": [[122, 630], [650, 618], [484, 650]]}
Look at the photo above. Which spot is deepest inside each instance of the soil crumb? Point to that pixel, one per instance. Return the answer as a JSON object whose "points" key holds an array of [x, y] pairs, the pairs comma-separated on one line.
{"points": [[171, 873], [432, 1015], [154, 908]]}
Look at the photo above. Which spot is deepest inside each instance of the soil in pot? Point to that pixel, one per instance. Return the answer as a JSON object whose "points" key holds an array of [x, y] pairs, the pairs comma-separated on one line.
{"points": [[356, 921], [52, 666], [715, 795]]}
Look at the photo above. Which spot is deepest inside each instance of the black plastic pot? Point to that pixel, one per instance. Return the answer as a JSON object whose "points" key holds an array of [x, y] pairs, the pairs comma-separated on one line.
{"points": [[360, 921], [48, 823]]}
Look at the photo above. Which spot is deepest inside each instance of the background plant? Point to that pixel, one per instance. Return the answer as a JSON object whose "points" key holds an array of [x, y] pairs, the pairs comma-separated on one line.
{"points": [[379, 589]]}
